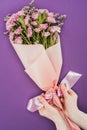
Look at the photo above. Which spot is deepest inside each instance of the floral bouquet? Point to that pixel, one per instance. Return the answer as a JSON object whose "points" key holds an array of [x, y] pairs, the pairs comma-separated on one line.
{"points": [[34, 34], [34, 26]]}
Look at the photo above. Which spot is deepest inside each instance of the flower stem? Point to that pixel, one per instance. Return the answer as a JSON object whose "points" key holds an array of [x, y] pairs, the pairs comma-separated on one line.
{"points": [[25, 39], [45, 42]]}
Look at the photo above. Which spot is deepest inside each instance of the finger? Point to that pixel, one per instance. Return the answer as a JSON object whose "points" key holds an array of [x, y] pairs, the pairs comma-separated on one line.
{"points": [[55, 88], [71, 92], [43, 101], [51, 103], [63, 89], [41, 111], [62, 100], [56, 101]]}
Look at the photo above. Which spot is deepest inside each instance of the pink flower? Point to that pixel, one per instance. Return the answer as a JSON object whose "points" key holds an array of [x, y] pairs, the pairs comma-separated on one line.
{"points": [[29, 27], [27, 18], [50, 14], [11, 22], [29, 32], [42, 10], [18, 40], [37, 29], [35, 16], [34, 23], [45, 34], [11, 36], [15, 17], [18, 30], [55, 29], [21, 13], [51, 19], [43, 26]]}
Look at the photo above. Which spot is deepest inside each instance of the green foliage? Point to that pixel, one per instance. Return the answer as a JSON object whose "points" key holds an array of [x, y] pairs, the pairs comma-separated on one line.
{"points": [[42, 18], [21, 21], [14, 27], [34, 37]]}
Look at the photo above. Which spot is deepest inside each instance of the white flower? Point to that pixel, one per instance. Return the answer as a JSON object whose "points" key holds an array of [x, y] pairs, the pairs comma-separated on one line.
{"points": [[55, 29]]}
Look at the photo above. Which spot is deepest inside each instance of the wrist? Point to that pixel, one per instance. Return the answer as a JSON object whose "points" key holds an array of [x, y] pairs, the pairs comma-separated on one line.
{"points": [[74, 115], [61, 123]]}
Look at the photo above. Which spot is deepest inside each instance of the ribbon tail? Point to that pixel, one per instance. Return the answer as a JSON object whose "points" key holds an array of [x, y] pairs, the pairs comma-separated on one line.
{"points": [[71, 124]]}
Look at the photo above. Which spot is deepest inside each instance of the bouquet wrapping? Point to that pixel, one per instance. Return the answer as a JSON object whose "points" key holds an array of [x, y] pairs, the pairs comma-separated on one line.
{"points": [[43, 66]]}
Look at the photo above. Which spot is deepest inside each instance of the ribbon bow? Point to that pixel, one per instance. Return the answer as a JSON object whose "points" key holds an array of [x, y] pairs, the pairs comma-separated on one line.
{"points": [[54, 93]]}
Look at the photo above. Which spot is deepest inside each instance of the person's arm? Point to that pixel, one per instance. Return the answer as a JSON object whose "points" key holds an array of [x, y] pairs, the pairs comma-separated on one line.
{"points": [[53, 114], [70, 106], [81, 119]]}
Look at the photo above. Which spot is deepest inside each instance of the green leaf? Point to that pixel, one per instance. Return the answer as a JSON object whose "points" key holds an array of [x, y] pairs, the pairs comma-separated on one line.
{"points": [[21, 21], [41, 18], [33, 38], [25, 38], [44, 16], [39, 21], [14, 27]]}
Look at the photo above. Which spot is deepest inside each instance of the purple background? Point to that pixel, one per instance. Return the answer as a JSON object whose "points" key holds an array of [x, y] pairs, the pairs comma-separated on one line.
{"points": [[16, 87]]}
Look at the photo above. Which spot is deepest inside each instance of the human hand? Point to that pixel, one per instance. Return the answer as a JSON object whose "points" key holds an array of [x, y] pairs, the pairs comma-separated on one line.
{"points": [[51, 112], [69, 101], [48, 110]]}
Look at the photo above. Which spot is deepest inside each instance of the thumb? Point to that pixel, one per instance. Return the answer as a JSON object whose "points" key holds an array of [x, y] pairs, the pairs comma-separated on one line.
{"points": [[63, 89], [71, 92]]}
